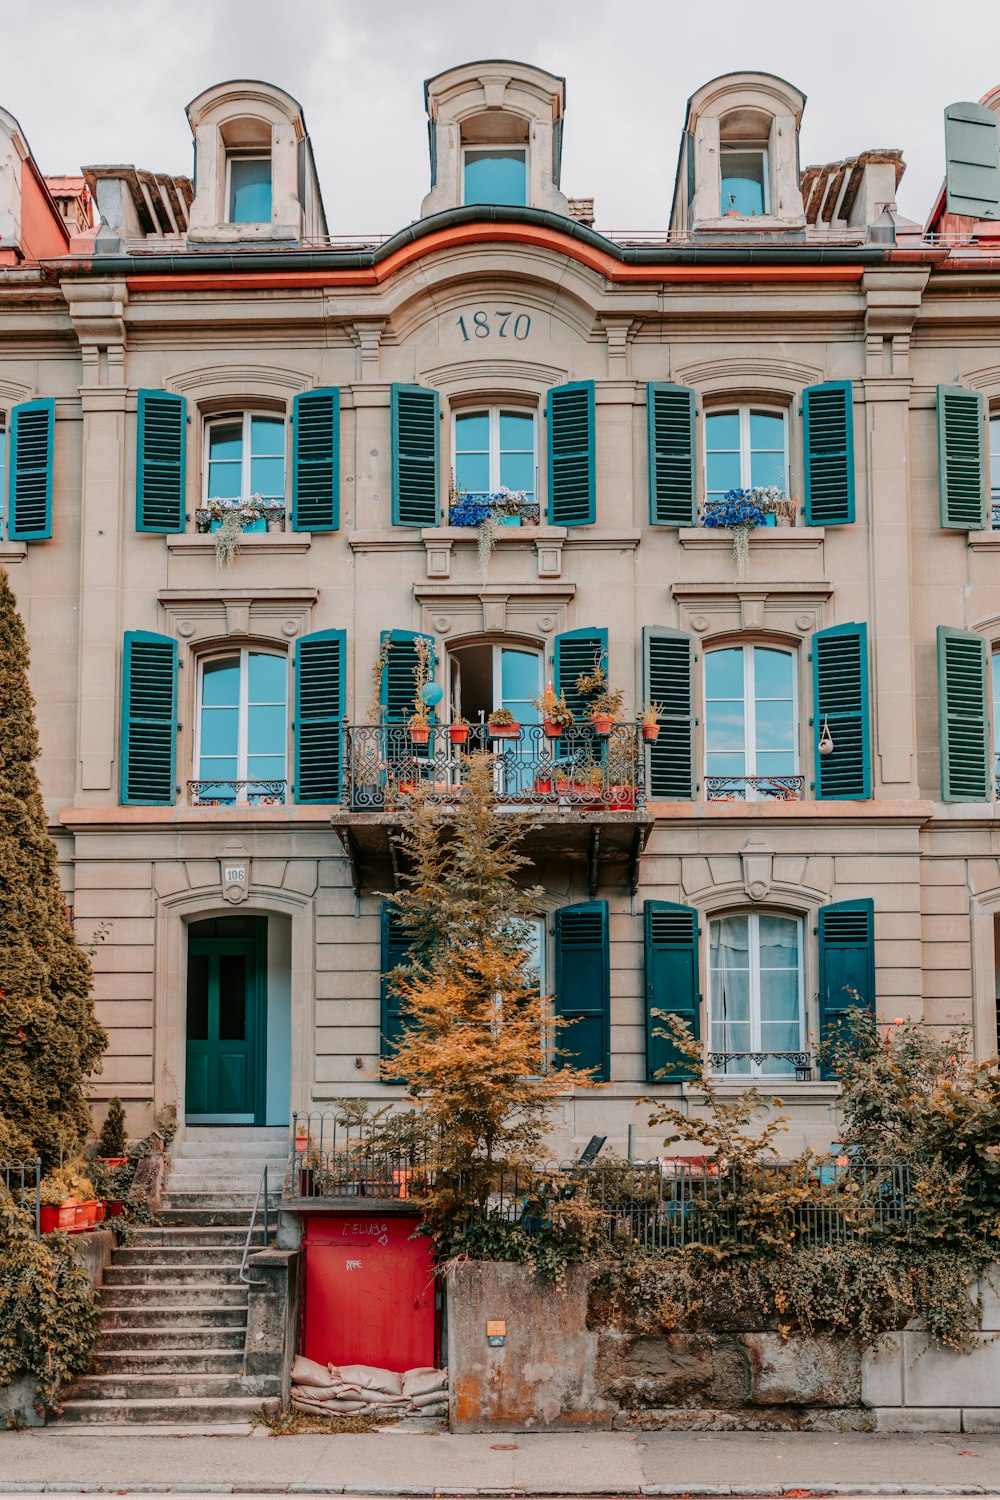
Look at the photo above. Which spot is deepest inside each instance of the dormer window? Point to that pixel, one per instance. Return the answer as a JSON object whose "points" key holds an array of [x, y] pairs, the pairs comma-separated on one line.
{"points": [[744, 180], [248, 188], [496, 175]]}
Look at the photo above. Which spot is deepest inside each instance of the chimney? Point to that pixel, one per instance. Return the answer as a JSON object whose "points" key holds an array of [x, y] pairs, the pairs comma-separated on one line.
{"points": [[582, 210]]}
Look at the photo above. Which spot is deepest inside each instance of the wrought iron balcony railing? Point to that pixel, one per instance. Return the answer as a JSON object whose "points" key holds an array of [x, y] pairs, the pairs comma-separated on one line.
{"points": [[754, 788], [800, 1063], [237, 793], [581, 770]]}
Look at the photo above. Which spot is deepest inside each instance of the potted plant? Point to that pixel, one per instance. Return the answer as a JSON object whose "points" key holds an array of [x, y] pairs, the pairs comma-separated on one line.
{"points": [[419, 726], [605, 703], [503, 725], [68, 1201], [555, 711], [112, 1146], [649, 720], [458, 730], [739, 511]]}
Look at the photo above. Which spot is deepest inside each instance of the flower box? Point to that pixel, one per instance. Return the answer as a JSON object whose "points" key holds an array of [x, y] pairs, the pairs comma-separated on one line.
{"points": [[542, 785], [504, 731], [112, 1161], [113, 1208], [58, 1216], [256, 525]]}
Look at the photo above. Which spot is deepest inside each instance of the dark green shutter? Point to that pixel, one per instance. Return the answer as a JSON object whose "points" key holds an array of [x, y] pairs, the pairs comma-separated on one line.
{"points": [[397, 692], [828, 440], [576, 654], [415, 424], [149, 720], [840, 700], [572, 490], [962, 458], [320, 676], [32, 436], [846, 964], [668, 671], [972, 161], [395, 951], [583, 987], [161, 462], [316, 460], [673, 497], [671, 934], [963, 716]]}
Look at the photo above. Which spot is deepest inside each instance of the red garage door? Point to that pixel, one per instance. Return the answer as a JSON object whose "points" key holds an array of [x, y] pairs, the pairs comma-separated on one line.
{"points": [[368, 1294]]}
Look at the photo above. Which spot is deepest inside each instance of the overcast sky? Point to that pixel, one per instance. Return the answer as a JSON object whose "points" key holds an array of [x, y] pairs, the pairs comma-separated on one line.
{"points": [[107, 81]]}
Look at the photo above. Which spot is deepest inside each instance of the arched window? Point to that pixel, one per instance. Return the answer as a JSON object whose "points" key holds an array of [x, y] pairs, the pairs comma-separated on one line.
{"points": [[746, 447], [745, 178], [751, 725], [495, 159], [756, 1010], [247, 144], [495, 449], [244, 456], [241, 749]]}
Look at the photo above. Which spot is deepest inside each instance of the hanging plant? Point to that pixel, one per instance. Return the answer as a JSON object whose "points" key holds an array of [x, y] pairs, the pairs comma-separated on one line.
{"points": [[739, 512]]}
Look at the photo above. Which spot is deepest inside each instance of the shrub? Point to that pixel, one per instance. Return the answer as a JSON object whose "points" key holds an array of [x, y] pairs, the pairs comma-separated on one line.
{"points": [[113, 1140]]}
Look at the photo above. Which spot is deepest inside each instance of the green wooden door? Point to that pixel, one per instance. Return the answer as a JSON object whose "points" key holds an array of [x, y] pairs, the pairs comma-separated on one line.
{"points": [[224, 1016]]}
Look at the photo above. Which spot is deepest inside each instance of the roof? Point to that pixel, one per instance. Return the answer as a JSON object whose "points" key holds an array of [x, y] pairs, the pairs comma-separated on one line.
{"points": [[829, 192], [160, 199]]}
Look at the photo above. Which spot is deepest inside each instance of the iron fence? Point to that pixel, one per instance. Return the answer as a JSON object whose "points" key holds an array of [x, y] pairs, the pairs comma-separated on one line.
{"points": [[754, 788], [579, 769], [23, 1181], [334, 1156], [231, 793]]}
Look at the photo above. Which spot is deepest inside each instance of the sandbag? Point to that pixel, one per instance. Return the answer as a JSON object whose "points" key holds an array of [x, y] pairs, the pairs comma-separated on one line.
{"points": [[368, 1378], [328, 1408], [424, 1379], [308, 1372], [430, 1398]]}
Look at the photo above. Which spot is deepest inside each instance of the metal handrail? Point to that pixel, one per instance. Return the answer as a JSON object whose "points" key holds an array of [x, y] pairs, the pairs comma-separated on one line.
{"points": [[261, 1187], [23, 1168]]}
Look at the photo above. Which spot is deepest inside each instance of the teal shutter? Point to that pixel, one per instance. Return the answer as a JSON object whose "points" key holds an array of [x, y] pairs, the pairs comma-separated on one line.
{"points": [[572, 490], [320, 697], [846, 964], [397, 693], [668, 679], [395, 951], [828, 440], [32, 438], [671, 941], [576, 653], [840, 701], [961, 418], [963, 716], [316, 460], [583, 987], [673, 496], [972, 161], [161, 462], [415, 424], [149, 720]]}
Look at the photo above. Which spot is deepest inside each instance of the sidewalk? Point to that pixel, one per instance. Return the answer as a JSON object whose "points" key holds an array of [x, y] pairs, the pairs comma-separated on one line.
{"points": [[430, 1463]]}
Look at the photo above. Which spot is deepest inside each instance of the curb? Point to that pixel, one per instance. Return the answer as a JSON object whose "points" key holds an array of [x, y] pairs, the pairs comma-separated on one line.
{"points": [[425, 1492]]}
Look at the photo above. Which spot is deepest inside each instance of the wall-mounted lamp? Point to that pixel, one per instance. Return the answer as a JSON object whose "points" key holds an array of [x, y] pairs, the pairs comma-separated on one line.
{"points": [[825, 745], [803, 1072]]}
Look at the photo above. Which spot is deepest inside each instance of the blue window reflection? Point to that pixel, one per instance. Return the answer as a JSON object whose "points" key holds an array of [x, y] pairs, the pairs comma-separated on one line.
{"points": [[498, 175], [249, 190], [243, 728]]}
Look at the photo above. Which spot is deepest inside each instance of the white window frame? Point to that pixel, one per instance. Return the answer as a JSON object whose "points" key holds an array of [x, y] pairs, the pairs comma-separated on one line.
{"points": [[750, 712], [756, 1070], [727, 148], [743, 411], [246, 418], [500, 146], [994, 462], [497, 648], [494, 413], [243, 654], [233, 153], [4, 462]]}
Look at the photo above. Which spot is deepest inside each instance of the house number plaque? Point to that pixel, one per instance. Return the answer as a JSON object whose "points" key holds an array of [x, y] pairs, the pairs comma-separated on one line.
{"points": [[494, 323]]}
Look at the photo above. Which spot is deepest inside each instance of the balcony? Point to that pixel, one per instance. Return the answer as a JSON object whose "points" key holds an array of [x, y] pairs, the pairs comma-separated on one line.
{"points": [[586, 791], [754, 788]]}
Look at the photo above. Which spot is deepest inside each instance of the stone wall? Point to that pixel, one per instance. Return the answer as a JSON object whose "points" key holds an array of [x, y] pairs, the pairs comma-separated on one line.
{"points": [[563, 1365]]}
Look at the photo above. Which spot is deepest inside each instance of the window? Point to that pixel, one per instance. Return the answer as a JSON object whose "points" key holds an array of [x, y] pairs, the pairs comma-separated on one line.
{"points": [[995, 682], [755, 994], [744, 180], [495, 449], [496, 174], [484, 676], [995, 472], [751, 725], [244, 456], [248, 188], [3, 471], [242, 732], [746, 448]]}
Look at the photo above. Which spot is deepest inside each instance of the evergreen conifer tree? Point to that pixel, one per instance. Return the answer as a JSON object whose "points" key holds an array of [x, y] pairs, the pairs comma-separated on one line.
{"points": [[477, 1051], [49, 1036]]}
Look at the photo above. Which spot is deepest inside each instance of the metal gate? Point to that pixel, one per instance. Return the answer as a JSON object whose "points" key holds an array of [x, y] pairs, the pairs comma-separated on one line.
{"points": [[368, 1292]]}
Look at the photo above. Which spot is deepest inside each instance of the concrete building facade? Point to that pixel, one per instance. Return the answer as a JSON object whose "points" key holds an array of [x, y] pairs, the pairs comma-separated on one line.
{"points": [[818, 812]]}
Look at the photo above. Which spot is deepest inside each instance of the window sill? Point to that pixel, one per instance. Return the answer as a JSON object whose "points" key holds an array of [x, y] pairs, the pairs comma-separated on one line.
{"points": [[699, 538], [817, 1089], [202, 544], [13, 552], [984, 541]]}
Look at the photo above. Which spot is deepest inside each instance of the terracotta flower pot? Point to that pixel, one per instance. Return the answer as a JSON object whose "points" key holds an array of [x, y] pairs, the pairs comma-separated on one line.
{"points": [[650, 732], [602, 724], [420, 733], [505, 731], [458, 734], [552, 731], [542, 785]]}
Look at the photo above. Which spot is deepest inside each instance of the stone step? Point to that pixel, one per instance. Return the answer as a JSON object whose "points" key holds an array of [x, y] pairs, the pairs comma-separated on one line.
{"points": [[227, 1185], [127, 1312], [223, 1143], [174, 1387], [190, 1294], [210, 1235], [238, 1206], [158, 1273], [241, 1161], [168, 1361], [175, 1413], [153, 1337], [179, 1255]]}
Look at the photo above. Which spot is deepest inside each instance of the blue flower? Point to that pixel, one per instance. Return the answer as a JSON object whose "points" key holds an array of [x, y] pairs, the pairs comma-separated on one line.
{"points": [[736, 508]]}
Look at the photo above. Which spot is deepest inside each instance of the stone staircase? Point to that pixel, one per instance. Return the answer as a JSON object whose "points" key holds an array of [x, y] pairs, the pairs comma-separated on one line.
{"points": [[173, 1309]]}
